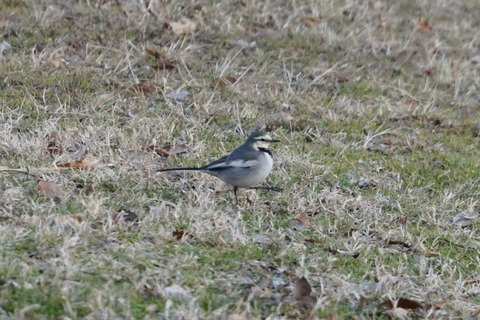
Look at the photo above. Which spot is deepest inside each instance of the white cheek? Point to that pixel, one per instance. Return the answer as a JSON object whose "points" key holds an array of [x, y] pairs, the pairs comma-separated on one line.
{"points": [[262, 144]]}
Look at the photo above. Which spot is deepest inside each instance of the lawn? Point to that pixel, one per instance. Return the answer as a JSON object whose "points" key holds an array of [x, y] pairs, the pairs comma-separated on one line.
{"points": [[377, 105]]}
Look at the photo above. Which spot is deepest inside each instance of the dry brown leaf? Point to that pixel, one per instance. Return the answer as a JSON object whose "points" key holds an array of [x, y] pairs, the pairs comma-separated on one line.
{"points": [[169, 150], [222, 82], [218, 82], [86, 163], [302, 218], [423, 25], [166, 65], [49, 189], [178, 234], [183, 26], [439, 305], [402, 303], [158, 150], [231, 79], [153, 53], [302, 288], [75, 218], [309, 21], [89, 190], [143, 87], [162, 62]]}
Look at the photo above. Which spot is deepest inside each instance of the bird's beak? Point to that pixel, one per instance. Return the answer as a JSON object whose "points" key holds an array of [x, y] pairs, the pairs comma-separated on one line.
{"points": [[274, 140]]}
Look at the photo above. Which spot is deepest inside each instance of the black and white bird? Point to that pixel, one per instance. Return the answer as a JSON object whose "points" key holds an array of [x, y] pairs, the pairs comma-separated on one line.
{"points": [[246, 167]]}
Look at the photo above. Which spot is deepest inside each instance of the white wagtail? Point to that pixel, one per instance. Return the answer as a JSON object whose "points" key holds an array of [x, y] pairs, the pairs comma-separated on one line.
{"points": [[246, 166]]}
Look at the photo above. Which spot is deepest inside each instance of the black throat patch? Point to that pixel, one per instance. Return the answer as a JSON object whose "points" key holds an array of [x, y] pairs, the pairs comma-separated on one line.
{"points": [[266, 151]]}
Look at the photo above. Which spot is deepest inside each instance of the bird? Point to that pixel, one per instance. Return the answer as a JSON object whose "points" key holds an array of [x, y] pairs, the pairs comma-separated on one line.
{"points": [[245, 167]]}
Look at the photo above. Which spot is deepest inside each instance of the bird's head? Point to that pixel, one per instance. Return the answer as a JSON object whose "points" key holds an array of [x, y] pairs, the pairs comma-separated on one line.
{"points": [[260, 140]]}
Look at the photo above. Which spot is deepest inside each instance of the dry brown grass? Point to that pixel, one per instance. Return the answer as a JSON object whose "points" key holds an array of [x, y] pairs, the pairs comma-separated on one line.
{"points": [[376, 103]]}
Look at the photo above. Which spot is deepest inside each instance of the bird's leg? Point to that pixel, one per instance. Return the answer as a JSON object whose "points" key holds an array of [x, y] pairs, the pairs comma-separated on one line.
{"points": [[235, 189]]}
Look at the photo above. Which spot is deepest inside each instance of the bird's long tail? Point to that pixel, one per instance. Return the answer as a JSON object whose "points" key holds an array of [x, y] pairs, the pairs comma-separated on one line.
{"points": [[182, 169]]}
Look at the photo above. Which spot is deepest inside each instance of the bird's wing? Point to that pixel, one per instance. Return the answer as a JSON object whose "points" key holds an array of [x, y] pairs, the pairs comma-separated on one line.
{"points": [[216, 163], [225, 162]]}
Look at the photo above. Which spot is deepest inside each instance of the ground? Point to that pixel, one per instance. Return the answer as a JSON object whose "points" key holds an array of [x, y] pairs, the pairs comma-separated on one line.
{"points": [[376, 103]]}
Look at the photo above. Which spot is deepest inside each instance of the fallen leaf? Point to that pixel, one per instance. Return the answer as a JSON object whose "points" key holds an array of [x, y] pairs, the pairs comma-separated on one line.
{"points": [[309, 21], [162, 62], [50, 189], [169, 150], [439, 305], [302, 219], [465, 218], [183, 26], [143, 87], [402, 303], [153, 53], [89, 190], [302, 288], [178, 234], [231, 79], [222, 82], [75, 218], [218, 82], [423, 25], [158, 150], [86, 163]]}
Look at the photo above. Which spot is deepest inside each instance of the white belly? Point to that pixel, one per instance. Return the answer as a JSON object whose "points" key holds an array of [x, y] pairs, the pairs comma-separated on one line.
{"points": [[250, 177]]}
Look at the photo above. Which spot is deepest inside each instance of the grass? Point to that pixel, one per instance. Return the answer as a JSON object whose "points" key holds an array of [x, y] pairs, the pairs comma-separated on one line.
{"points": [[378, 118]]}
